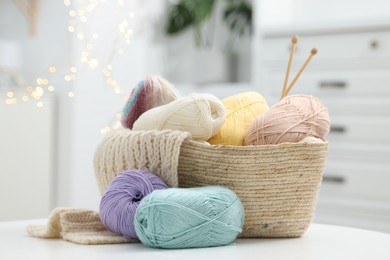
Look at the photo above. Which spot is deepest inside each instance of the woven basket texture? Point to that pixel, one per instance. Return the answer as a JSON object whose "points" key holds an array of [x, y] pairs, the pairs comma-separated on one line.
{"points": [[277, 184]]}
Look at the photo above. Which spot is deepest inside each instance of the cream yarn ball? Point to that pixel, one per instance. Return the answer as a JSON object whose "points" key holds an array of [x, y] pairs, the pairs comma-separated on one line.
{"points": [[290, 120], [202, 115], [311, 139], [241, 110]]}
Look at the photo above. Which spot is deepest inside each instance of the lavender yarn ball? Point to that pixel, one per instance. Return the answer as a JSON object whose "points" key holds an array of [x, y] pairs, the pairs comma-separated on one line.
{"points": [[122, 197]]}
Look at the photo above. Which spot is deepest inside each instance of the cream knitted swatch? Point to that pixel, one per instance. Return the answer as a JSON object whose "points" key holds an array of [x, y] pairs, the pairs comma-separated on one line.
{"points": [[124, 149], [80, 226]]}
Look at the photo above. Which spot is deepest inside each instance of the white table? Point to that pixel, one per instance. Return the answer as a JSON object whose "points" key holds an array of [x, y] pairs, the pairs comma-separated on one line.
{"points": [[319, 242]]}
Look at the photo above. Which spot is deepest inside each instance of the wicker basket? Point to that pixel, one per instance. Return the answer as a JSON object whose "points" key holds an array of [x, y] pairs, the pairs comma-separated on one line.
{"points": [[277, 184]]}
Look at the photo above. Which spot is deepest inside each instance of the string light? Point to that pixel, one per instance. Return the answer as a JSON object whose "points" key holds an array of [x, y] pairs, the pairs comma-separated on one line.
{"points": [[80, 36], [79, 14], [93, 63], [52, 69], [124, 36], [72, 13], [11, 101], [105, 130]]}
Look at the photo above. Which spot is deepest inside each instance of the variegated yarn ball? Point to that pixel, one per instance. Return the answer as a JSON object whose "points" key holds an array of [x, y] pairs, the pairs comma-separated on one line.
{"points": [[241, 110], [152, 92], [290, 120]]}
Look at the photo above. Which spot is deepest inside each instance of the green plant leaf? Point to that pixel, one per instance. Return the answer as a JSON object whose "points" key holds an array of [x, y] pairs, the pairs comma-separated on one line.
{"points": [[238, 18], [201, 9], [188, 13], [180, 17]]}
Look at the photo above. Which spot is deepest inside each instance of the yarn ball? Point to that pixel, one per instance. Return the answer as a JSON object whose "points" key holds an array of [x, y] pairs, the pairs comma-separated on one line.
{"points": [[202, 115], [152, 92], [192, 217], [290, 120], [311, 139], [241, 110], [121, 199]]}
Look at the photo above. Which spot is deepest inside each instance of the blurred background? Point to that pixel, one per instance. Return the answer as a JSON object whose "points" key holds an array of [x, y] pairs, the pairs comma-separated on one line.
{"points": [[67, 68]]}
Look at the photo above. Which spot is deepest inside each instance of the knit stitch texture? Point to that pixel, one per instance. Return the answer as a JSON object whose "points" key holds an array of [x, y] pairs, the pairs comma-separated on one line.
{"points": [[80, 226], [124, 149]]}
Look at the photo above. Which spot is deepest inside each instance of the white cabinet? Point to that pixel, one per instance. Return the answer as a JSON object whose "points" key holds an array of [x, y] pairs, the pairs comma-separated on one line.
{"points": [[351, 75], [27, 159]]}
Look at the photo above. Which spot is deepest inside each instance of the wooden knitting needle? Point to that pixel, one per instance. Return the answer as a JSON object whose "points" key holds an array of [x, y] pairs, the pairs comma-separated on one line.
{"points": [[312, 53], [33, 16], [294, 41]]}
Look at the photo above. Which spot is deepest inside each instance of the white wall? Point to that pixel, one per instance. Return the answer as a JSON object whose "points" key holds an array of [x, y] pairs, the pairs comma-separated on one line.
{"points": [[26, 160], [50, 46], [79, 120]]}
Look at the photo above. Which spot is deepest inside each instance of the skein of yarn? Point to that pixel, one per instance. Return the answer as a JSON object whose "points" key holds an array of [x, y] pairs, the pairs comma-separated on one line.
{"points": [[241, 110], [290, 120], [311, 139], [192, 217], [202, 115], [121, 199], [152, 92]]}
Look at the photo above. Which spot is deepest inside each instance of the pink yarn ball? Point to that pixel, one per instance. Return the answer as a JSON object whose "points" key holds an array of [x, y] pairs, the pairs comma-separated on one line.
{"points": [[290, 120]]}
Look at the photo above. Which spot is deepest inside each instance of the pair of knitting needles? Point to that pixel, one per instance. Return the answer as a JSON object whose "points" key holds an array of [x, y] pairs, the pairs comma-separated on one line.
{"points": [[286, 89]]}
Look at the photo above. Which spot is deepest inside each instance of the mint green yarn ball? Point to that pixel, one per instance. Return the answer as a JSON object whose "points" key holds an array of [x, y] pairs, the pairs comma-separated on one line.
{"points": [[186, 218]]}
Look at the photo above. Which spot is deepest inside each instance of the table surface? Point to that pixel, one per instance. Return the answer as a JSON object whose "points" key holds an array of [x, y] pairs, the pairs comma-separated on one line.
{"points": [[319, 242]]}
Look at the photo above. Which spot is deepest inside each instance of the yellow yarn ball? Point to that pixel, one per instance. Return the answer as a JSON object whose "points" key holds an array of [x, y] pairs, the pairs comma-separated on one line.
{"points": [[241, 109]]}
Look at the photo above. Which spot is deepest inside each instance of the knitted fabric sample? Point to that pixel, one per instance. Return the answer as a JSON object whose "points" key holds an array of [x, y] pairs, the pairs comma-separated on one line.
{"points": [[124, 149], [80, 226]]}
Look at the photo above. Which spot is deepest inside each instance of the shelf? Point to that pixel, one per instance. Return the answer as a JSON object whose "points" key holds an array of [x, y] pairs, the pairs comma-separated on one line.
{"points": [[344, 27]]}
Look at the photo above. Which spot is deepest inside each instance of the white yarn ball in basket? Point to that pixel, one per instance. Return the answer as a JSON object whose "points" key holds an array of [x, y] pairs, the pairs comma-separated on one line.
{"points": [[202, 115]]}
